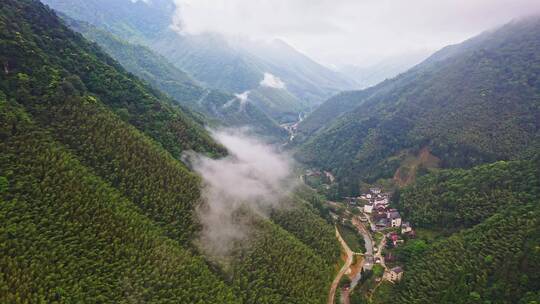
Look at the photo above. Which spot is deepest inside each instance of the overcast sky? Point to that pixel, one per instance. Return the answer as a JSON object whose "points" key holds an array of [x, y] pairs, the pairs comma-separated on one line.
{"points": [[353, 31]]}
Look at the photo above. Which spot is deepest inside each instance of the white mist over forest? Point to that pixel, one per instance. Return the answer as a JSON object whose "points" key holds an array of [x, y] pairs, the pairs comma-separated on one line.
{"points": [[254, 177]]}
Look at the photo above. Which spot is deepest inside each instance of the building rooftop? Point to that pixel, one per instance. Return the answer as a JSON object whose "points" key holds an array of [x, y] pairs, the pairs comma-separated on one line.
{"points": [[393, 214]]}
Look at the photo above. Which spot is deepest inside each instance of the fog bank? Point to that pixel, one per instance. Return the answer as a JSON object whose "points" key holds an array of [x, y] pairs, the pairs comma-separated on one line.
{"points": [[254, 176]]}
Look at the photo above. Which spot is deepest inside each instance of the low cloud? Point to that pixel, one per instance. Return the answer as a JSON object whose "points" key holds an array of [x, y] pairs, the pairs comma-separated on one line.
{"points": [[243, 97], [351, 31], [272, 81], [254, 177]]}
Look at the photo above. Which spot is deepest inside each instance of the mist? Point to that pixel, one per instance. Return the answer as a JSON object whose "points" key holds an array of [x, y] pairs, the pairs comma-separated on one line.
{"points": [[272, 81], [254, 177], [351, 31]]}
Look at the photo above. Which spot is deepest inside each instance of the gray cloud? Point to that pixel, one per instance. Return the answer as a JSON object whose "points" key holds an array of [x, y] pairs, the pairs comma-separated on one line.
{"points": [[254, 177], [353, 31]]}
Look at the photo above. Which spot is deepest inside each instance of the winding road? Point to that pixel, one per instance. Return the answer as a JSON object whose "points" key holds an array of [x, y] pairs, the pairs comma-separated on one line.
{"points": [[348, 262]]}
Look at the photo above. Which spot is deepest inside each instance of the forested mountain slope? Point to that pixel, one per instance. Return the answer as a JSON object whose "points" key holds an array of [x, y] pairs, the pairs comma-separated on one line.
{"points": [[68, 236], [219, 108], [238, 67], [141, 61], [279, 104], [457, 198], [493, 256], [34, 55], [130, 20], [234, 67], [496, 262], [327, 113], [96, 206], [468, 104]]}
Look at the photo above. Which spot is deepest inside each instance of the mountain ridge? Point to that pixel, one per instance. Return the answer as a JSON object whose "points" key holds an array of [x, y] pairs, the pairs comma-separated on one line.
{"points": [[471, 103], [187, 92], [210, 57], [96, 202]]}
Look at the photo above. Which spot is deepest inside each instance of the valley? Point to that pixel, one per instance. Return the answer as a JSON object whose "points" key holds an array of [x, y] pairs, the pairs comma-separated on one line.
{"points": [[160, 151], [346, 268], [394, 246], [359, 214]]}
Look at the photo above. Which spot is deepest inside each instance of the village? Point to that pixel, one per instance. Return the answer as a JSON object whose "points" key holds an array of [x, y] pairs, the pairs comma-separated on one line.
{"points": [[382, 229]]}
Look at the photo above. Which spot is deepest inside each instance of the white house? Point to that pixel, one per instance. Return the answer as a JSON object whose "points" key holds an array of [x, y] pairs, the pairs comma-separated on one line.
{"points": [[368, 208], [394, 217], [381, 202]]}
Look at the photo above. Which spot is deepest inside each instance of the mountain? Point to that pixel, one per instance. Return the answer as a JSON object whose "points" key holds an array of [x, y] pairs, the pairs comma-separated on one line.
{"points": [[467, 104], [372, 74], [232, 65], [131, 20], [279, 104], [240, 65], [492, 187], [302, 76], [95, 203], [218, 107], [491, 255], [327, 113]]}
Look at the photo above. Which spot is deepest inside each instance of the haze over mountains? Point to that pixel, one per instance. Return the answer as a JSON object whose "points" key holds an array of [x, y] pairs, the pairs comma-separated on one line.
{"points": [[234, 66], [467, 104], [143, 163], [368, 75]]}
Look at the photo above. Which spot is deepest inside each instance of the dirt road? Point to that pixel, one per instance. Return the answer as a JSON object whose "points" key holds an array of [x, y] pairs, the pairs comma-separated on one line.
{"points": [[342, 271]]}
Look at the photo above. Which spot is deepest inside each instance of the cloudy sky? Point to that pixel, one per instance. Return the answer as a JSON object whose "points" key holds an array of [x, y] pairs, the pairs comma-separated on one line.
{"points": [[353, 31]]}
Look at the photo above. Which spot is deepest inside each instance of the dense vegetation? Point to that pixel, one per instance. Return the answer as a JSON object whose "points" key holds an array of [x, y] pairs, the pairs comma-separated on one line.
{"points": [[277, 103], [351, 236], [44, 52], [468, 104], [457, 198], [278, 268], [497, 261], [68, 236], [328, 112], [494, 257], [158, 184], [305, 223], [96, 207], [142, 62], [218, 107]]}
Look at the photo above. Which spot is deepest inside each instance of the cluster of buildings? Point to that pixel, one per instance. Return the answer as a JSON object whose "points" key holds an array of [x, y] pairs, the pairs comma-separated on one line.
{"points": [[381, 216], [378, 208]]}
